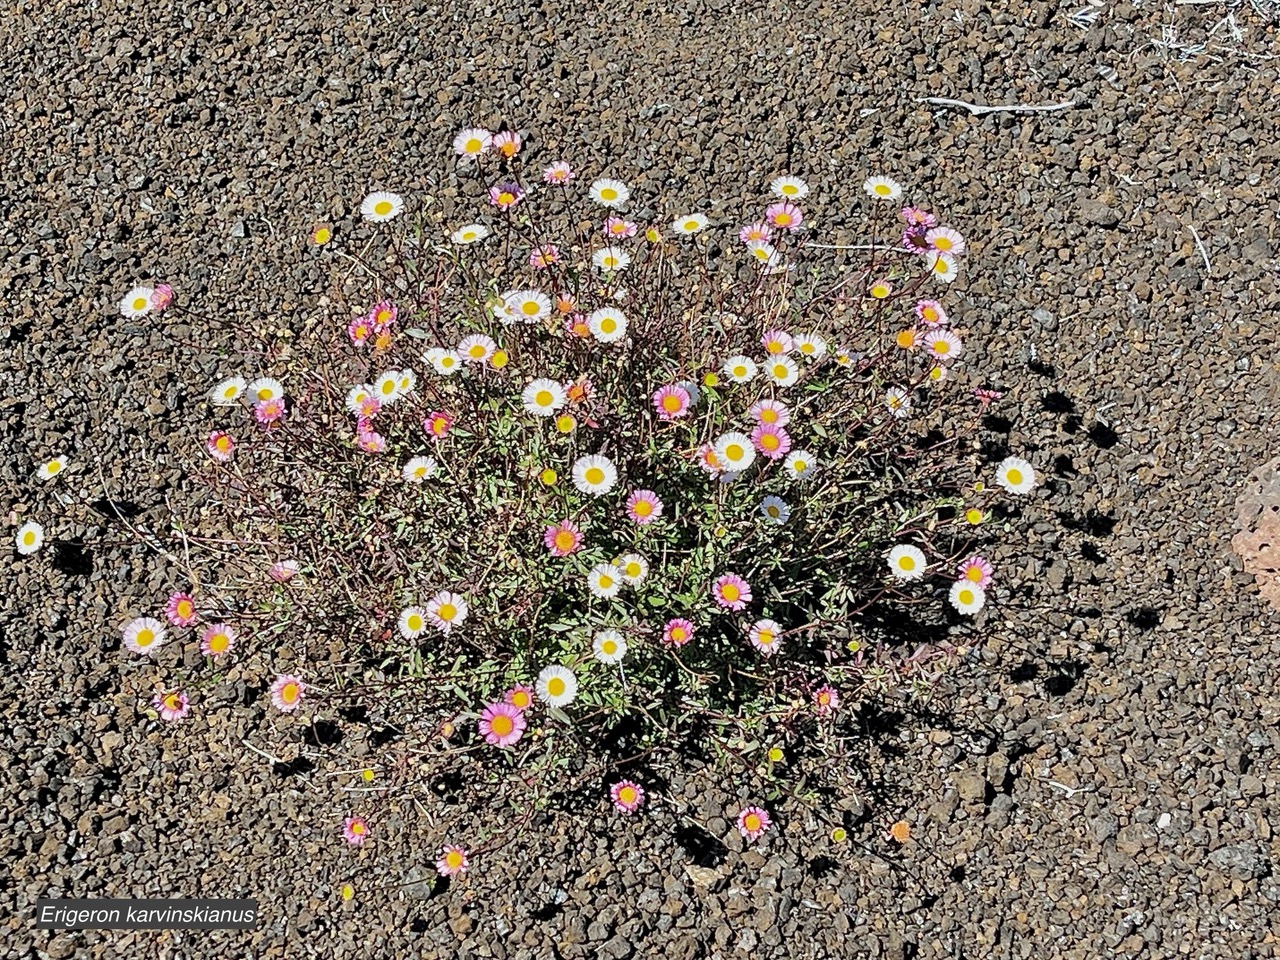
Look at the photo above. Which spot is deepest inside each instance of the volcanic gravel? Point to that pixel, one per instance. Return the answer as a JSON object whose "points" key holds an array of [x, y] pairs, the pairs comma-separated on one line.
{"points": [[1100, 779]]}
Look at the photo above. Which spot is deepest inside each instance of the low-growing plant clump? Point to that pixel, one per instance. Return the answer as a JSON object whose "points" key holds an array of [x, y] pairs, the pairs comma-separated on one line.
{"points": [[576, 486]]}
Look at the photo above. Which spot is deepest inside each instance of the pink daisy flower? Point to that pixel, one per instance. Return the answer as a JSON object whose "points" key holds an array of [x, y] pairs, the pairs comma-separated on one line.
{"points": [[707, 459], [772, 442], [753, 822], [766, 636], [501, 724], [181, 610], [453, 861], [217, 639], [977, 570], [161, 297], [382, 316], [755, 233], [826, 699], [559, 173], [359, 330], [618, 229], [919, 218], [286, 692], [370, 441], [355, 830], [504, 196], [507, 143], [731, 592], [369, 408], [562, 538], [576, 324], [677, 632], [785, 215], [627, 795], [171, 705], [644, 507], [437, 424], [544, 256], [945, 240], [221, 446], [777, 342], [987, 396], [520, 696], [671, 401], [282, 571], [943, 344], [913, 240], [268, 412], [770, 412], [931, 313]]}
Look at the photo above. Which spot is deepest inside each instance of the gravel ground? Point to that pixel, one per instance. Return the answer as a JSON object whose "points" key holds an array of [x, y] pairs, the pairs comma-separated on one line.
{"points": [[1103, 780]]}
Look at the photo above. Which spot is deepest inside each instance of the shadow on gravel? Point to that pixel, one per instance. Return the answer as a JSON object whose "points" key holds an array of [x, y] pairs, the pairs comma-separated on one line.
{"points": [[700, 846], [73, 558], [1143, 618]]}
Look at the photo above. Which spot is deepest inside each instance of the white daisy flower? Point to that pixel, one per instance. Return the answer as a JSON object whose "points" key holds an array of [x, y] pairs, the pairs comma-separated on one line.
{"points": [[690, 223], [967, 597], [766, 253], [782, 370], [446, 610], [609, 646], [30, 538], [557, 686], [1016, 475], [137, 302], [381, 206], [51, 468], [734, 452], [358, 395], [265, 388], [228, 391], [544, 397], [472, 142], [775, 510], [611, 259], [789, 188], [144, 635], [811, 345], [898, 401], [907, 562], [420, 468], [387, 387], [739, 369], [943, 267], [595, 474], [882, 188], [610, 193], [607, 324], [412, 622], [633, 567], [691, 388], [408, 380], [604, 580], [529, 306], [799, 464], [471, 233], [766, 636], [445, 362], [477, 348]]}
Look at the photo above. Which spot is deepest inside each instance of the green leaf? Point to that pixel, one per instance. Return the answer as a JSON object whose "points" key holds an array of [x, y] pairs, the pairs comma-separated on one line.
{"points": [[418, 333]]}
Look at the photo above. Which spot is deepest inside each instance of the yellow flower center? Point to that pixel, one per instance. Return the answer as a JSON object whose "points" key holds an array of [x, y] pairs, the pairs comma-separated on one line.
{"points": [[453, 858], [529, 308], [506, 197], [765, 637], [941, 346], [627, 795], [290, 693], [734, 452], [609, 648], [907, 339], [740, 371], [476, 351], [53, 466], [223, 444], [800, 466], [710, 380], [172, 702], [382, 207], [678, 634], [264, 393], [139, 303], [547, 477], [520, 699], [768, 416], [468, 235], [501, 724], [790, 189], [447, 612], [499, 359], [730, 592], [691, 225], [883, 189], [633, 569], [974, 573], [608, 325], [782, 219], [772, 511], [671, 403], [543, 398], [146, 636], [880, 291], [643, 508], [973, 515], [606, 581], [769, 441], [555, 686], [474, 145], [966, 597], [414, 621], [595, 475], [185, 608], [930, 314], [780, 371], [218, 643], [907, 562], [942, 243], [941, 266], [564, 541], [565, 423], [322, 235], [28, 538], [752, 822], [1014, 475], [608, 193]]}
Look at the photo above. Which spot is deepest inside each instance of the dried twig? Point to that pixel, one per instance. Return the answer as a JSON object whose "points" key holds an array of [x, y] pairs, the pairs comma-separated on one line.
{"points": [[1208, 267], [979, 110]]}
